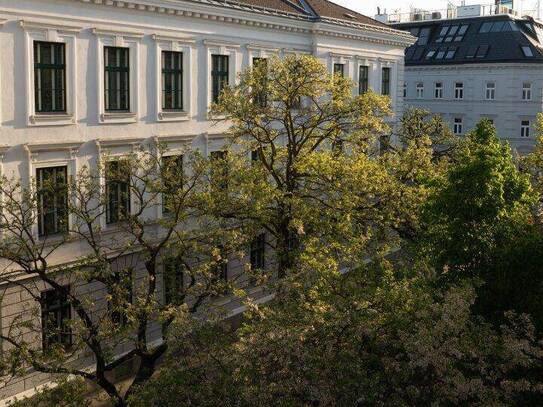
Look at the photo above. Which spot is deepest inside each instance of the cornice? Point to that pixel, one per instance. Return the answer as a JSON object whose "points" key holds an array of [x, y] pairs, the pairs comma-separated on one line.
{"points": [[117, 32], [390, 36], [119, 142], [44, 147], [41, 24]]}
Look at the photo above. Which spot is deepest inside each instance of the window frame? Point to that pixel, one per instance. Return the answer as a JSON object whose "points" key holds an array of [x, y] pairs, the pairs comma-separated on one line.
{"points": [[176, 275], [107, 38], [458, 90], [55, 33], [527, 91], [363, 80], [490, 90], [386, 81], [55, 68], [112, 221], [438, 90], [458, 126], [116, 69], [420, 90], [58, 229], [525, 129], [176, 74], [186, 47], [61, 308]]}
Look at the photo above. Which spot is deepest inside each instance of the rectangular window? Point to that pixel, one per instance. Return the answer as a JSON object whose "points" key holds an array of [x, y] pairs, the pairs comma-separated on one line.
{"points": [[525, 129], [459, 90], [339, 69], [405, 89], [457, 128], [526, 91], [172, 179], [117, 79], [420, 90], [385, 82], [261, 97], [52, 187], [49, 77], [55, 316], [122, 297], [172, 80], [438, 94], [258, 250], [363, 80], [219, 75], [490, 91], [117, 191], [174, 280]]}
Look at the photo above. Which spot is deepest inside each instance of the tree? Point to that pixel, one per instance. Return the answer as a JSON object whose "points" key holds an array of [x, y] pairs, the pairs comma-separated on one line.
{"points": [[317, 187], [108, 277], [480, 223], [483, 201], [372, 337]]}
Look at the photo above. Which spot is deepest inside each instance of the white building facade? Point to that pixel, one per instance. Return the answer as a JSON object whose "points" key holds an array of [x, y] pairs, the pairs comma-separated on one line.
{"points": [[471, 67], [80, 78]]}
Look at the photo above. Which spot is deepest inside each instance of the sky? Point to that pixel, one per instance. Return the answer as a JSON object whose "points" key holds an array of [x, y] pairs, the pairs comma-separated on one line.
{"points": [[369, 7]]}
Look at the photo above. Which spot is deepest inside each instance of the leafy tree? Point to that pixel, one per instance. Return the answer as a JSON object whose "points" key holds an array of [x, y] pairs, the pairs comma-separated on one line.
{"points": [[483, 202], [309, 139], [109, 278], [481, 223], [368, 337]]}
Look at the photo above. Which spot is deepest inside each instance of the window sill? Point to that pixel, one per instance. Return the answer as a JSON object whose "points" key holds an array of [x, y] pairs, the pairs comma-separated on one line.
{"points": [[118, 117], [51, 119], [172, 116]]}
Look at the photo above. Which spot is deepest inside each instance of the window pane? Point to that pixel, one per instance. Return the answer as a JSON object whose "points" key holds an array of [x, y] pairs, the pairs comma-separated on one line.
{"points": [[49, 77], [116, 78]]}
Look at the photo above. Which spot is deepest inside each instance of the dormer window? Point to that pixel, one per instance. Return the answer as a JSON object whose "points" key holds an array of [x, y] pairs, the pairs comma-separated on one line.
{"points": [[527, 51]]}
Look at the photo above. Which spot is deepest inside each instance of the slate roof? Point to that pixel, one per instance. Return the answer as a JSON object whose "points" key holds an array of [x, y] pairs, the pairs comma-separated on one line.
{"points": [[491, 39]]}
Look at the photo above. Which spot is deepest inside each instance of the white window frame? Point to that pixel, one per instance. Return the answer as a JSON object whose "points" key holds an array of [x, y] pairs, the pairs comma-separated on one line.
{"points": [[114, 150], [48, 156], [130, 40], [527, 91], [370, 63], [490, 91], [525, 129], [347, 62], [66, 34], [175, 146], [420, 90], [438, 90], [221, 48], [458, 125], [186, 46], [459, 91]]}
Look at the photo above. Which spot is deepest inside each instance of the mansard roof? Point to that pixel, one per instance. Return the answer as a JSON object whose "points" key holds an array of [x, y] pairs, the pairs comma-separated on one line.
{"points": [[475, 40]]}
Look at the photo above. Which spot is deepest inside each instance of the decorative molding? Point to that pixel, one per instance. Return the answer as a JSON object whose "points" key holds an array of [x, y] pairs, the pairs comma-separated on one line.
{"points": [[117, 33], [52, 119], [34, 149], [189, 41], [400, 38], [42, 24], [119, 142], [220, 44], [115, 117], [173, 116]]}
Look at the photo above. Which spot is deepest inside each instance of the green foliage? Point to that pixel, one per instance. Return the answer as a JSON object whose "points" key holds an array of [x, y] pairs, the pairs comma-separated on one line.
{"points": [[373, 336], [67, 393], [483, 202]]}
